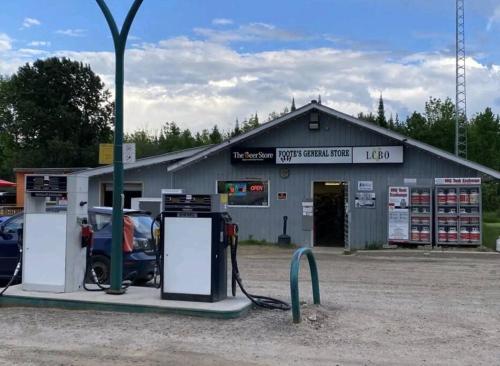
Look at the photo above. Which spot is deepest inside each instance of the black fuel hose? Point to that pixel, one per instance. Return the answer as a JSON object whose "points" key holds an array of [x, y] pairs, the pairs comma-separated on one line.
{"points": [[261, 301], [19, 261], [157, 254], [90, 270]]}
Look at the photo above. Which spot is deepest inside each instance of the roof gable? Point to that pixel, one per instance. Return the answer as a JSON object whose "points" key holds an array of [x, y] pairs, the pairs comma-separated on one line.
{"points": [[334, 113]]}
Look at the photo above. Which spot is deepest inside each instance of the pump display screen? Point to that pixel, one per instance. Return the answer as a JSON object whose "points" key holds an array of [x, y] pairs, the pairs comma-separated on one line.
{"points": [[46, 183], [245, 193]]}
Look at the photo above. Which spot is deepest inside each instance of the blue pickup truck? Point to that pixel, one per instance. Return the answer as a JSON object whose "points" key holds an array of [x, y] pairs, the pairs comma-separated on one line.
{"points": [[137, 265]]}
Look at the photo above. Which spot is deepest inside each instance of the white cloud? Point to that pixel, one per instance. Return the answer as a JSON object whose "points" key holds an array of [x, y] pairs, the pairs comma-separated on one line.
{"points": [[495, 18], [39, 44], [202, 83], [72, 32], [30, 22], [222, 21], [251, 32], [5, 42]]}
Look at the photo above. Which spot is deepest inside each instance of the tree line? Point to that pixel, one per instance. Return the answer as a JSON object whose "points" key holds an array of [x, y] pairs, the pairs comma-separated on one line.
{"points": [[55, 112]]}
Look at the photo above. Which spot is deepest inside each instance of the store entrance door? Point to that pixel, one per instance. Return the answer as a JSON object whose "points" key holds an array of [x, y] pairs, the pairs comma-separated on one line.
{"points": [[130, 190], [329, 213]]}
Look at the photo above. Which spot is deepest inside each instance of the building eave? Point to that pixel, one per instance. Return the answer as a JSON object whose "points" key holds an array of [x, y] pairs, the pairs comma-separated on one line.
{"points": [[332, 112], [144, 162]]}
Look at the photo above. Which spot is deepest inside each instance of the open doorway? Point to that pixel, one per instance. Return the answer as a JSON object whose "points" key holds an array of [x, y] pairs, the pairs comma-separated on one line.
{"points": [[130, 190], [329, 213]]}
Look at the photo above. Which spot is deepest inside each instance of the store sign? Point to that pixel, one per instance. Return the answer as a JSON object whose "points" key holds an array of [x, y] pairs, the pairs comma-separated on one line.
{"points": [[365, 185], [318, 155], [314, 155], [253, 155], [457, 181], [377, 154], [364, 200]]}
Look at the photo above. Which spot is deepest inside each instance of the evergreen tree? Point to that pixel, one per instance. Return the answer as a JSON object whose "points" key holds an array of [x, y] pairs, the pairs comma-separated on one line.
{"points": [[292, 108], [381, 121], [250, 124], [237, 130], [367, 117], [440, 117], [391, 123], [484, 139], [215, 136]]}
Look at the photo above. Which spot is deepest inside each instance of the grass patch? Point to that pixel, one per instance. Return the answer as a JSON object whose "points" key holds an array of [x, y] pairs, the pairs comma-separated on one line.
{"points": [[491, 232], [491, 217], [255, 242], [491, 228], [251, 241]]}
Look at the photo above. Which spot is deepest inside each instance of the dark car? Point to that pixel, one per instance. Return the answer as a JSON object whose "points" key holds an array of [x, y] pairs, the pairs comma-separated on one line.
{"points": [[137, 265]]}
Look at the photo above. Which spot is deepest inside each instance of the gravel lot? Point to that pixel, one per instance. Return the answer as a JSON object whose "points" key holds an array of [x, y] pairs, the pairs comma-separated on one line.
{"points": [[378, 308]]}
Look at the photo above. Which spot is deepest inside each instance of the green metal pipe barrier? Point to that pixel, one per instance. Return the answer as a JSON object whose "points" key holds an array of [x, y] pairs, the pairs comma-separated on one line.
{"points": [[294, 280]]}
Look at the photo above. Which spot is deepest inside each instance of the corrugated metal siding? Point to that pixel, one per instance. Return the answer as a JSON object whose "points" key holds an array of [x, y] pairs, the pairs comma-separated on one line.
{"points": [[366, 226]]}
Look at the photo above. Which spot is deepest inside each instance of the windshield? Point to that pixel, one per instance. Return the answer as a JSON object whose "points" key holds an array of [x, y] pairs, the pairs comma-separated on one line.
{"points": [[142, 224]]}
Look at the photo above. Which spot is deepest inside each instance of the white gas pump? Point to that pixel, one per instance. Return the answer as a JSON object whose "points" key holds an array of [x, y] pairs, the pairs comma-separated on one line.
{"points": [[53, 257]]}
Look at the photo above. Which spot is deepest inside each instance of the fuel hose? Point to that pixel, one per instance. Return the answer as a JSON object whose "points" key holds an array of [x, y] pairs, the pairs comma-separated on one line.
{"points": [[157, 253], [19, 261], [265, 302]]}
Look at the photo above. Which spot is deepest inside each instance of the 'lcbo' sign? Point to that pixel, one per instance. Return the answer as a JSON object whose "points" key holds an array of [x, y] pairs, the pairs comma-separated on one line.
{"points": [[378, 155]]}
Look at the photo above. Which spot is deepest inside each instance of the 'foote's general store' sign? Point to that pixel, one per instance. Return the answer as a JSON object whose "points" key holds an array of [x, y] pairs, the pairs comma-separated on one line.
{"points": [[319, 155]]}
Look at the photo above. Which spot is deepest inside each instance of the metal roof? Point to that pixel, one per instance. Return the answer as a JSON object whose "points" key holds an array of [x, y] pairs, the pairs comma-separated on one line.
{"points": [[332, 112], [152, 160]]}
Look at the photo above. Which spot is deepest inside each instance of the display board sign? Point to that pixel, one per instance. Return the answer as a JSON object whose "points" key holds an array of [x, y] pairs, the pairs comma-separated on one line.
{"points": [[399, 214], [364, 200], [365, 185], [458, 181], [399, 197], [377, 154], [128, 153], [46, 183], [105, 153], [314, 155], [253, 155], [398, 225]]}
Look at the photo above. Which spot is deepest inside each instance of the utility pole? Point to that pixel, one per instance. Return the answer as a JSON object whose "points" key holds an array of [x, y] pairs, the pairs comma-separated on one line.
{"points": [[119, 40], [460, 97]]}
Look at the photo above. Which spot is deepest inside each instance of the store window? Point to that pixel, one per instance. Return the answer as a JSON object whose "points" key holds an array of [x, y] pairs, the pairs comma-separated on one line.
{"points": [[250, 193]]}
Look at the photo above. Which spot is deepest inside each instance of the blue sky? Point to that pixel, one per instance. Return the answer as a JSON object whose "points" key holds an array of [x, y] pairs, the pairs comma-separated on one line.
{"points": [[204, 62]]}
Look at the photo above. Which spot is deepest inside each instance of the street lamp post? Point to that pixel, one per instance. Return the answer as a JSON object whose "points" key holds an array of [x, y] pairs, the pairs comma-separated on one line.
{"points": [[119, 40]]}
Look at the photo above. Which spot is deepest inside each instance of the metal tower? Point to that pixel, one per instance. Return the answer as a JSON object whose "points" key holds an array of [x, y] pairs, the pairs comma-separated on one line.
{"points": [[460, 98]]}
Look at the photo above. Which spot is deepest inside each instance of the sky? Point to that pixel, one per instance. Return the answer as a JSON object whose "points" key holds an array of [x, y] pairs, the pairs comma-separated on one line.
{"points": [[201, 63]]}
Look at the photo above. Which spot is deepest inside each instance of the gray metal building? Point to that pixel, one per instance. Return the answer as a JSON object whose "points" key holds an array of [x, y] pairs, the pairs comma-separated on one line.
{"points": [[308, 165]]}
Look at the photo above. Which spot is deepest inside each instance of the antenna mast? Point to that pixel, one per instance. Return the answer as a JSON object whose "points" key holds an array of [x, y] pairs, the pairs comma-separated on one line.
{"points": [[460, 98]]}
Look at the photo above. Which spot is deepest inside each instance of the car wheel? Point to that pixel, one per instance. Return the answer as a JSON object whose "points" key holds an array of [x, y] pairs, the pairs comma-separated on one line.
{"points": [[142, 281], [101, 266]]}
